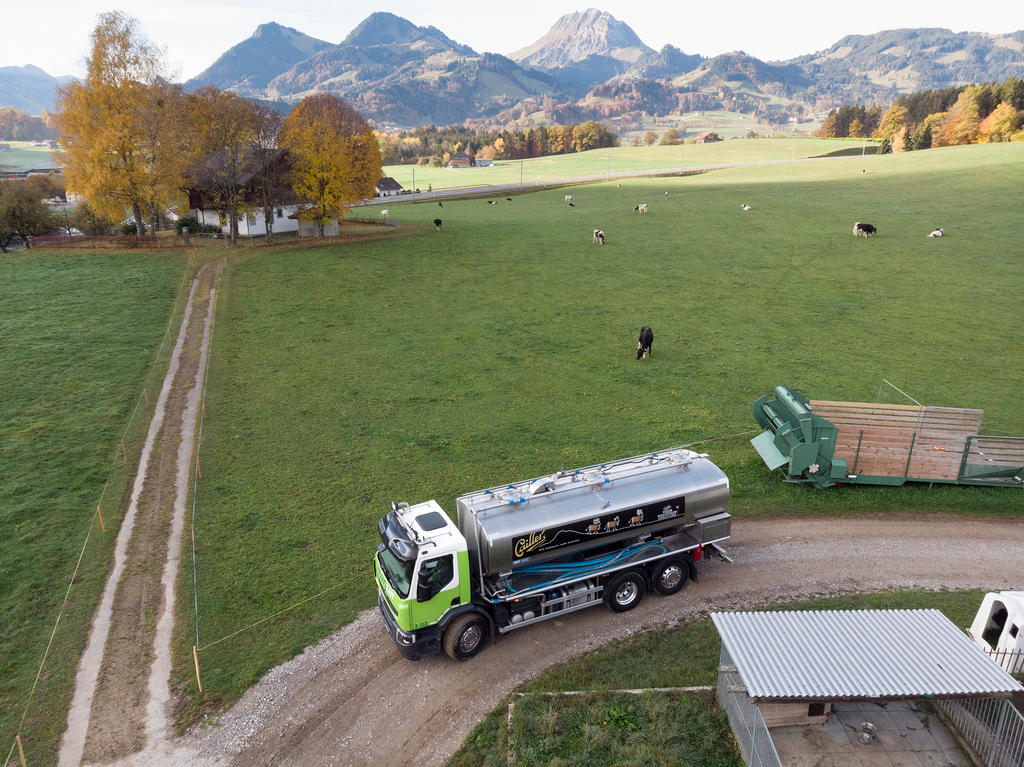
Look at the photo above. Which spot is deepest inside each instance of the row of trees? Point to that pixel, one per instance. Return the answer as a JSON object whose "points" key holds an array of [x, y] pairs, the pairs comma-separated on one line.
{"points": [[19, 126], [135, 141], [431, 145], [970, 114]]}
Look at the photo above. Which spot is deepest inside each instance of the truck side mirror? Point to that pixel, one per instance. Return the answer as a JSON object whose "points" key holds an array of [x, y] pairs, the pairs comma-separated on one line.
{"points": [[425, 590]]}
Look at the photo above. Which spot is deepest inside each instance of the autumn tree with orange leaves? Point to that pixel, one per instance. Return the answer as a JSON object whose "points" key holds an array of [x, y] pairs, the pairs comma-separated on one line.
{"points": [[335, 157]]}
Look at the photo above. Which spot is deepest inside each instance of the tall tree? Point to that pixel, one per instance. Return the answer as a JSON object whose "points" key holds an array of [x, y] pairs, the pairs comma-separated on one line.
{"points": [[335, 157], [961, 123], [111, 127], [271, 181], [226, 126], [22, 213]]}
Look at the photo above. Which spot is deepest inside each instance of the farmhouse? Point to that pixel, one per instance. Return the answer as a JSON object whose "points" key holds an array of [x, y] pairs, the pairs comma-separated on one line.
{"points": [[205, 196], [460, 160], [387, 187], [707, 137]]}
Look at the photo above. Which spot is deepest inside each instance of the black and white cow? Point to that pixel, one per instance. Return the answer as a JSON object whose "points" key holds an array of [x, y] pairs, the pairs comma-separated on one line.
{"points": [[860, 229], [643, 348], [437, 225], [599, 236], [936, 233]]}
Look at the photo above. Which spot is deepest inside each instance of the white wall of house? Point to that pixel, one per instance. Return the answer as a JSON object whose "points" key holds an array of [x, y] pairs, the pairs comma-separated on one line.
{"points": [[251, 223]]}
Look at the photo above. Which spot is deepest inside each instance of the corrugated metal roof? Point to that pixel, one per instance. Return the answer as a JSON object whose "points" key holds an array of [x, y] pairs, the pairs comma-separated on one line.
{"points": [[857, 655]]}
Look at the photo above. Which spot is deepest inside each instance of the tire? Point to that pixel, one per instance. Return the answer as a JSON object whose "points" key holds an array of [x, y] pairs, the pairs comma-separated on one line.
{"points": [[669, 576], [625, 590], [465, 636]]}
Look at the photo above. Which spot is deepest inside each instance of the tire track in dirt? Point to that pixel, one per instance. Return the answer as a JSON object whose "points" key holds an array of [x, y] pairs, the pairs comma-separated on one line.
{"points": [[352, 700], [114, 711]]}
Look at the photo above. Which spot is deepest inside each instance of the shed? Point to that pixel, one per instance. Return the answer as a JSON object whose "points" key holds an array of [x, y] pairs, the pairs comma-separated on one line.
{"points": [[460, 160], [784, 668], [706, 137]]}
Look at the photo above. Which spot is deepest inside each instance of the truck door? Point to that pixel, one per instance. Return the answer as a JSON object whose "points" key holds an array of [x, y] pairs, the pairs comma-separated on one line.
{"points": [[437, 590]]}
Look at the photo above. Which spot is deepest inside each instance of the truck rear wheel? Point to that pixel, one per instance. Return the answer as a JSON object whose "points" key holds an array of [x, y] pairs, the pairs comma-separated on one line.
{"points": [[624, 591], [669, 576], [465, 636]]}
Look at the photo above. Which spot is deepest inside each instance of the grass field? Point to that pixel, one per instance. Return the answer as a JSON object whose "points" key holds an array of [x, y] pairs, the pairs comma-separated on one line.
{"points": [[78, 335], [22, 156], [432, 363], [616, 160], [682, 656]]}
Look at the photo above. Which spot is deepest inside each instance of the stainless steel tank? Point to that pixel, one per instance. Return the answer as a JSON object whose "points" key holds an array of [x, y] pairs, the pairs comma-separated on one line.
{"points": [[540, 519]]}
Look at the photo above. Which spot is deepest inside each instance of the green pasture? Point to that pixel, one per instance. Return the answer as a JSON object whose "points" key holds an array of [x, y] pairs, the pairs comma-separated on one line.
{"points": [[613, 161], [428, 364], [78, 337], [633, 729], [22, 156]]}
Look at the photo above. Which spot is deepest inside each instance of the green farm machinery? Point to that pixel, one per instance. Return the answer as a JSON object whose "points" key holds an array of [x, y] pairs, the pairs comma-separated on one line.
{"points": [[830, 443]]}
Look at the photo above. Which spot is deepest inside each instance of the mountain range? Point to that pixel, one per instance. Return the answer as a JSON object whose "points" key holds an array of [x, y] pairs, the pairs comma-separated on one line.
{"points": [[589, 65]]}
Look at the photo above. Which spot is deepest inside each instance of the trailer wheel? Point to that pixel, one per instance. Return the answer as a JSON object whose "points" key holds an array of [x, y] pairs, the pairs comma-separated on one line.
{"points": [[624, 591], [465, 636], [669, 576]]}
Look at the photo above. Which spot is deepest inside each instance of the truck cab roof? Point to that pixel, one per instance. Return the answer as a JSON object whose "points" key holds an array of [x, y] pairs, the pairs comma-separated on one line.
{"points": [[423, 526]]}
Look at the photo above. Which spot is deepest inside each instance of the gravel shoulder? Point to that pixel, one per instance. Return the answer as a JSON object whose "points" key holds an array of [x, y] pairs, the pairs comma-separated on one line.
{"points": [[353, 700]]}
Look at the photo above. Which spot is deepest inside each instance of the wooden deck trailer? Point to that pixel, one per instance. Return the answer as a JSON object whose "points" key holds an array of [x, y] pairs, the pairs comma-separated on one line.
{"points": [[828, 443]]}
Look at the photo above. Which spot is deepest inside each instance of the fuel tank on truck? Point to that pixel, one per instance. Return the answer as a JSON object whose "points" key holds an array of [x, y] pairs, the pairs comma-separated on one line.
{"points": [[540, 519]]}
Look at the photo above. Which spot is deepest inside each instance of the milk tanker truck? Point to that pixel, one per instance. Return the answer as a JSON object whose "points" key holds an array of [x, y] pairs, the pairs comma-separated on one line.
{"points": [[524, 552]]}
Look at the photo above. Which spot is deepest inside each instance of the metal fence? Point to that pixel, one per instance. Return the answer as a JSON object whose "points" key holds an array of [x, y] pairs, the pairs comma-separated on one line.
{"points": [[751, 732], [1011, 660], [992, 727]]}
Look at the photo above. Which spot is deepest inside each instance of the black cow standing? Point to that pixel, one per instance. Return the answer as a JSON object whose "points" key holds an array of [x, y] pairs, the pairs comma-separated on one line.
{"points": [[437, 225], [643, 348]]}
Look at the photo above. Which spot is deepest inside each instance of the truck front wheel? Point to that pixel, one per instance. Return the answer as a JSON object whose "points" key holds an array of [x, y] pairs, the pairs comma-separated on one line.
{"points": [[624, 591], [669, 576], [465, 636]]}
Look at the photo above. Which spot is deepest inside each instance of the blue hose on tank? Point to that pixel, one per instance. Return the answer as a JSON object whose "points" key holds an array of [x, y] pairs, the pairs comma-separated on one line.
{"points": [[579, 569]]}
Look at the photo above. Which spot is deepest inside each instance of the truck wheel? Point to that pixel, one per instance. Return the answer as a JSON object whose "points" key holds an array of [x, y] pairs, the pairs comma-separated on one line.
{"points": [[465, 636], [624, 591], [669, 576]]}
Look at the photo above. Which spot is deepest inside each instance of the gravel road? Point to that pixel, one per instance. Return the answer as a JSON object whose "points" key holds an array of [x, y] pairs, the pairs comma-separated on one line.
{"points": [[353, 700]]}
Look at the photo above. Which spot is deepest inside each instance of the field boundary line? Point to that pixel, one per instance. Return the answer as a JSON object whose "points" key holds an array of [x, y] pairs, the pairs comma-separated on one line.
{"points": [[92, 522]]}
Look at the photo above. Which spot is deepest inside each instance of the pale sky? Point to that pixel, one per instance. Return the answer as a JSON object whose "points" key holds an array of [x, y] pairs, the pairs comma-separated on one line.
{"points": [[55, 35]]}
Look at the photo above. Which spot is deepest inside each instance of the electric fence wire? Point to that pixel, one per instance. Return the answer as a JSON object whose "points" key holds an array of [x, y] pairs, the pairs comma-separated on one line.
{"points": [[85, 543]]}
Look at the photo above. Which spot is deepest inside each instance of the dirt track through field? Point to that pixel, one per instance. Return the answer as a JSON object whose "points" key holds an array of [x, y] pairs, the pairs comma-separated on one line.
{"points": [[122, 685], [352, 700]]}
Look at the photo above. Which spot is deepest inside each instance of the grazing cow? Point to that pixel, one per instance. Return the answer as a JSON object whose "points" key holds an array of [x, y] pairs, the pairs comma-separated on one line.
{"points": [[666, 195], [437, 225], [572, 205], [508, 199], [936, 233], [568, 198], [641, 208], [492, 202], [599, 236], [385, 214], [744, 206], [643, 348], [860, 229], [440, 205]]}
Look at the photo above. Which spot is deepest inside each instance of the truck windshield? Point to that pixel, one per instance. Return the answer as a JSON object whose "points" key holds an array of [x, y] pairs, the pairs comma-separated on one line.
{"points": [[398, 573]]}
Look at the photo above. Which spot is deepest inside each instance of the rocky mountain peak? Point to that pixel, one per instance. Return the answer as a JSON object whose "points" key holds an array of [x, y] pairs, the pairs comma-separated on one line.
{"points": [[577, 36]]}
